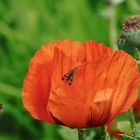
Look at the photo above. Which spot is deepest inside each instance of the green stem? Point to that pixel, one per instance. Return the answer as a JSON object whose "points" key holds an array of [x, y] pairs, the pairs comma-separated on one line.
{"points": [[113, 31], [132, 119], [105, 134], [82, 133], [10, 90]]}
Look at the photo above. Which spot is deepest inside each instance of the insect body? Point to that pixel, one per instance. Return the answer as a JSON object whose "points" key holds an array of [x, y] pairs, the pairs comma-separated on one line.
{"points": [[69, 76]]}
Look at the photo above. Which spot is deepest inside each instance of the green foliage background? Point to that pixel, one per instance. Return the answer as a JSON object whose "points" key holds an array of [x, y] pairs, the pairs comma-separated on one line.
{"points": [[27, 24]]}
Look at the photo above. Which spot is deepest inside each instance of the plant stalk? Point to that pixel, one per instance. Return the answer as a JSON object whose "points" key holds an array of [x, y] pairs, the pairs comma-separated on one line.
{"points": [[132, 119], [82, 133], [113, 31], [104, 133]]}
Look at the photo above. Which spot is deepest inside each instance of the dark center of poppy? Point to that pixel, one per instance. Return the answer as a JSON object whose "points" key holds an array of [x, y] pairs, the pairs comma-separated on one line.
{"points": [[68, 77]]}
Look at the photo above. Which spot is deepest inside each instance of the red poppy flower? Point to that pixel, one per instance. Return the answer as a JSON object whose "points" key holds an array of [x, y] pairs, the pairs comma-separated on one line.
{"points": [[79, 84]]}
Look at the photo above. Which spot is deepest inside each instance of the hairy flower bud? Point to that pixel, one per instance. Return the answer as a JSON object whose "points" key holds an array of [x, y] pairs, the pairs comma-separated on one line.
{"points": [[124, 44], [121, 41], [131, 30]]}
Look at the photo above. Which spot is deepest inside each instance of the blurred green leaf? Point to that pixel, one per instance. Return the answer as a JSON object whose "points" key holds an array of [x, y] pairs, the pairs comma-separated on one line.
{"points": [[124, 126], [68, 133], [10, 90]]}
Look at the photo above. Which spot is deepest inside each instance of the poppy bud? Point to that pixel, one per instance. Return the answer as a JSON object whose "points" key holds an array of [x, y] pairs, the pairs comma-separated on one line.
{"points": [[131, 30], [121, 42], [124, 44]]}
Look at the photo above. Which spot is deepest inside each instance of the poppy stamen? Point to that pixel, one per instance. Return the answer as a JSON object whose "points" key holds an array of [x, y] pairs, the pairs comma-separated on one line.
{"points": [[69, 76]]}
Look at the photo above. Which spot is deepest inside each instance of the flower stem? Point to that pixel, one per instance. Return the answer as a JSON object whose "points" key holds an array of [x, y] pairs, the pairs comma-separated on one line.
{"points": [[132, 119], [82, 133], [105, 134], [113, 32]]}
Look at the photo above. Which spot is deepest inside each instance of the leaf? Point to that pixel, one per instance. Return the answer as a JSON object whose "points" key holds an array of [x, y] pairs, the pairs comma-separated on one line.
{"points": [[68, 133], [124, 126]]}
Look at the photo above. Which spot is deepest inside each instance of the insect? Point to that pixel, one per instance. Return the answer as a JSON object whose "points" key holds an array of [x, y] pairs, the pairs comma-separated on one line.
{"points": [[69, 76]]}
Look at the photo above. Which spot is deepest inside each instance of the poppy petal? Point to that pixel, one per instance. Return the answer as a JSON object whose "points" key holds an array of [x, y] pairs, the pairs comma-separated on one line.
{"points": [[72, 49], [98, 114], [123, 71], [59, 101], [36, 86], [133, 93], [66, 101], [98, 83], [94, 51], [81, 52]]}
